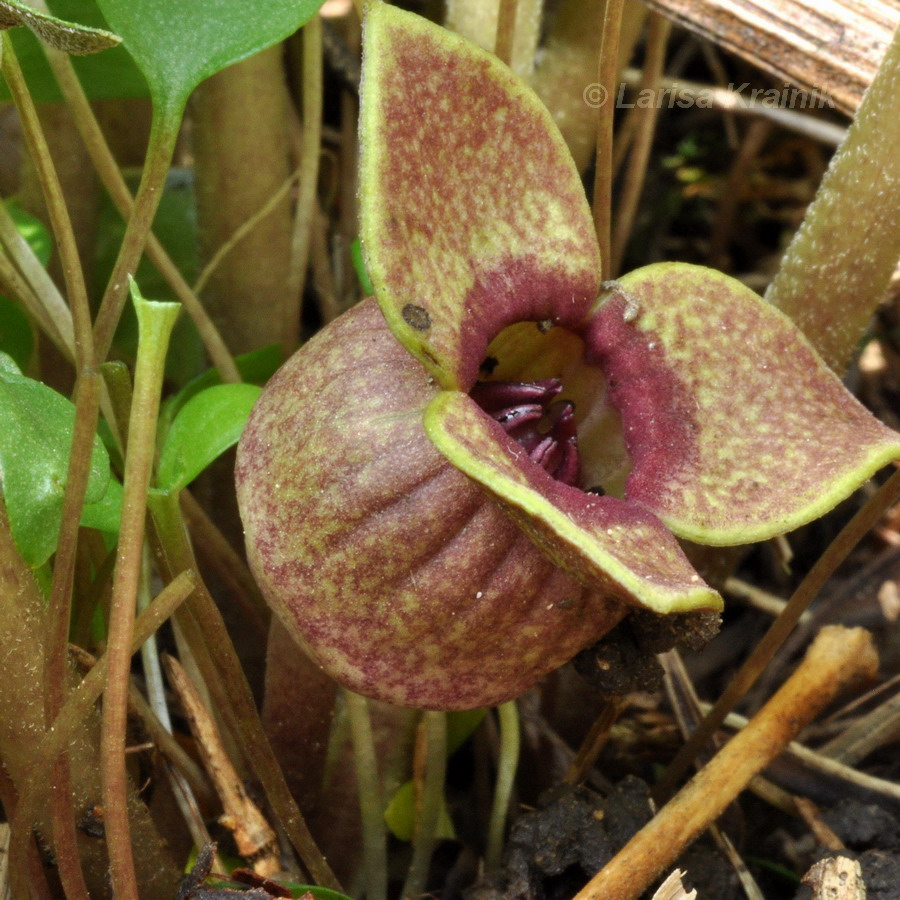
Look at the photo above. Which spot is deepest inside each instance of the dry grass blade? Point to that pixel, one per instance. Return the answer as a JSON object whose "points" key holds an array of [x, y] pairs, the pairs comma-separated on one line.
{"points": [[835, 45]]}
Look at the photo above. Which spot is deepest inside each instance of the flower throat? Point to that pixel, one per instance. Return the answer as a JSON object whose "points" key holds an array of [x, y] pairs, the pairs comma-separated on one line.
{"points": [[542, 425]]}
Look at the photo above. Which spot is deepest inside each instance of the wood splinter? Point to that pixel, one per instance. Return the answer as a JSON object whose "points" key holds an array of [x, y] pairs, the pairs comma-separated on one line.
{"points": [[837, 660], [253, 836]]}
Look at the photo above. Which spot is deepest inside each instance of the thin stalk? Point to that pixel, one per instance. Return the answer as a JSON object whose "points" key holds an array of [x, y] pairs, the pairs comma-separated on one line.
{"points": [[371, 802], [220, 667], [78, 705], [850, 535], [658, 29], [506, 772], [310, 151], [108, 171], [59, 615], [435, 726], [161, 146], [594, 742], [506, 30], [56, 204], [155, 322], [606, 76]]}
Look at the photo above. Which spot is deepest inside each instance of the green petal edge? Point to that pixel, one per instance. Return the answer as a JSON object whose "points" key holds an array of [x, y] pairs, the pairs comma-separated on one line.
{"points": [[607, 544], [472, 214], [737, 429]]}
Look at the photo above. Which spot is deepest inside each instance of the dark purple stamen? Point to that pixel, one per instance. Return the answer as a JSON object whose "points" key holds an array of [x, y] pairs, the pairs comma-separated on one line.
{"points": [[545, 429]]}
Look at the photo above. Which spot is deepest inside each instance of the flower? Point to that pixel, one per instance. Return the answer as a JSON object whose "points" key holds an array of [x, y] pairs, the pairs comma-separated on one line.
{"points": [[442, 500]]}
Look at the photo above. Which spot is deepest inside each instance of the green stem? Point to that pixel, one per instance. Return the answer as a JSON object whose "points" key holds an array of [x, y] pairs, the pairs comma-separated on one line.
{"points": [[506, 773], [850, 535], [837, 268], [56, 205], [163, 135], [155, 322], [371, 802], [435, 724]]}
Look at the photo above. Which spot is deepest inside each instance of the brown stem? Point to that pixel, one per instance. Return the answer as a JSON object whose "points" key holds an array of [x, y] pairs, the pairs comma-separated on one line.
{"points": [[657, 37], [839, 658], [506, 30], [108, 171], [606, 77]]}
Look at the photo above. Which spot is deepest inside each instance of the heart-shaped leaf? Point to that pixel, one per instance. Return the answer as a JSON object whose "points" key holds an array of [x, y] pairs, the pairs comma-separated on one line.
{"points": [[177, 44], [35, 442], [205, 427]]}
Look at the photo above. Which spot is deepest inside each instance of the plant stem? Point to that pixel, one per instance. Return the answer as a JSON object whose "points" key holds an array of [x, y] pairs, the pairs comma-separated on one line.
{"points": [[506, 30], [435, 725], [606, 76], [59, 615], [203, 627], [371, 802], [56, 205], [163, 135], [851, 534], [837, 268], [506, 773], [78, 705], [155, 322], [658, 29], [106, 167], [310, 151]]}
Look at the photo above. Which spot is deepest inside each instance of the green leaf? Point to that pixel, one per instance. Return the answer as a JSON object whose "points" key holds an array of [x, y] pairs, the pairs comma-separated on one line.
{"points": [[33, 230], [35, 442], [106, 513], [257, 366], [69, 37], [107, 75], [177, 44], [16, 335], [205, 427], [400, 815]]}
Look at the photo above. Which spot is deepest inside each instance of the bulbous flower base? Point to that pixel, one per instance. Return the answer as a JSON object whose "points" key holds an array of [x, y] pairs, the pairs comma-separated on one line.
{"points": [[394, 570]]}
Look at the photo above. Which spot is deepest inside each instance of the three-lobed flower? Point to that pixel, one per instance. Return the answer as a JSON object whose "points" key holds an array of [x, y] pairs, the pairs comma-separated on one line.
{"points": [[458, 485]]}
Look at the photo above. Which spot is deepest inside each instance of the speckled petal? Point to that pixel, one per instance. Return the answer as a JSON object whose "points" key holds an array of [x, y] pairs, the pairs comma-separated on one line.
{"points": [[610, 545], [736, 428], [473, 215], [395, 571]]}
